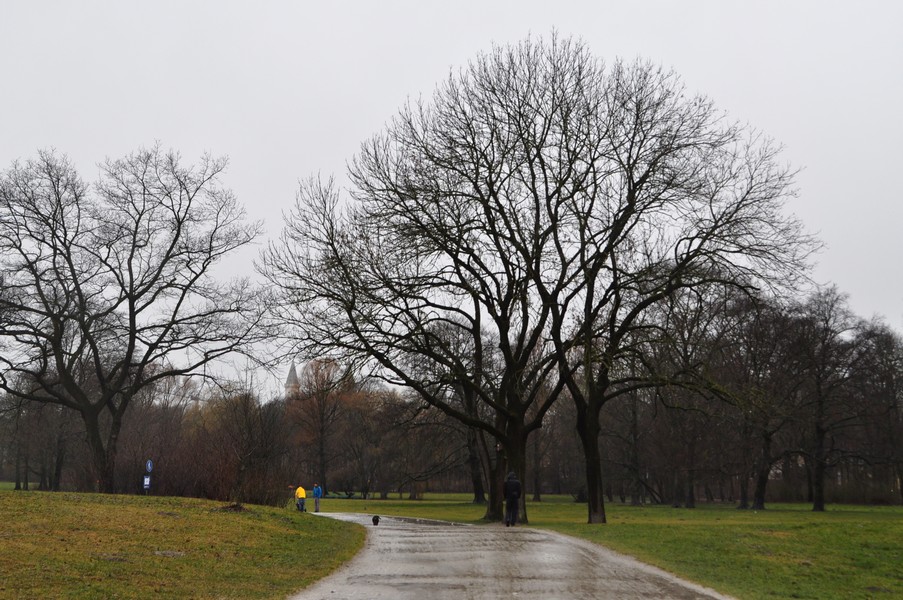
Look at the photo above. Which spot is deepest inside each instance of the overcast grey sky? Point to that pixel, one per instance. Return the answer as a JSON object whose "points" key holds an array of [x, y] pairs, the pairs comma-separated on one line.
{"points": [[287, 89]]}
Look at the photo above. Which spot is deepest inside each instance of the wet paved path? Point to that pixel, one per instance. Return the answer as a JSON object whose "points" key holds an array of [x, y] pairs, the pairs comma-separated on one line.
{"points": [[430, 560]]}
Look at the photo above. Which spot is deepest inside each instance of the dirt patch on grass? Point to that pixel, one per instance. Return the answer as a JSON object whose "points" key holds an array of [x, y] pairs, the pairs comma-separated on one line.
{"points": [[234, 507]]}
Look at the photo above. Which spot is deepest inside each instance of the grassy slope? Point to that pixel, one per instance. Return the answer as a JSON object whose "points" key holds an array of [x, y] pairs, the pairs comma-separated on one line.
{"points": [[80, 546], [786, 551]]}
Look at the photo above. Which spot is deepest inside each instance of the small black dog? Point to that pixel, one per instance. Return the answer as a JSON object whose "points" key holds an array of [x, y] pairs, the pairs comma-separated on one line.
{"points": [[376, 519]]}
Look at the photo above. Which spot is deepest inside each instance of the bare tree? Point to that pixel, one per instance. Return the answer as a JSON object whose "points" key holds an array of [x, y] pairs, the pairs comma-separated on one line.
{"points": [[537, 206], [252, 438], [835, 343], [317, 407], [880, 382], [152, 429], [761, 376], [110, 288]]}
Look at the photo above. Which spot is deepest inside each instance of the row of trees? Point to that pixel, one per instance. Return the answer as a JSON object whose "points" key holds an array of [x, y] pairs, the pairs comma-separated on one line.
{"points": [[793, 393], [758, 435], [215, 443], [548, 248]]}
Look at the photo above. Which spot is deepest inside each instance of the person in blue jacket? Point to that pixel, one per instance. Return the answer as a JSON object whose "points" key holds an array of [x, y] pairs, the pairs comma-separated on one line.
{"points": [[318, 493]]}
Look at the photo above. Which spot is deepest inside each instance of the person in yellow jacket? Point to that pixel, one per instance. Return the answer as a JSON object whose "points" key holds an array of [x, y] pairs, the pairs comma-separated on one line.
{"points": [[300, 496]]}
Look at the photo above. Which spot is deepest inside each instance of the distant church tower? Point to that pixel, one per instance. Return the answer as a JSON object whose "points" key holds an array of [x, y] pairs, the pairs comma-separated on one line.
{"points": [[292, 385]]}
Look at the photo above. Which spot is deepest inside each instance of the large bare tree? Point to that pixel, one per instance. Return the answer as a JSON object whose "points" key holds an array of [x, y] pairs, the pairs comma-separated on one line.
{"points": [[537, 206], [317, 407], [834, 345], [110, 288]]}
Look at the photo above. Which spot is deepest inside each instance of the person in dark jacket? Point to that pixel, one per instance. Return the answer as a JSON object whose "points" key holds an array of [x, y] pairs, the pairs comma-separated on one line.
{"points": [[512, 499]]}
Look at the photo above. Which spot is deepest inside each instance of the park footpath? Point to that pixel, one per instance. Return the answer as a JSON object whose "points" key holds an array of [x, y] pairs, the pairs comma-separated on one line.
{"points": [[435, 560]]}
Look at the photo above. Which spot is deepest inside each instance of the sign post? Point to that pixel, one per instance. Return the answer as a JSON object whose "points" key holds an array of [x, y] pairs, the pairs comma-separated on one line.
{"points": [[149, 466]]}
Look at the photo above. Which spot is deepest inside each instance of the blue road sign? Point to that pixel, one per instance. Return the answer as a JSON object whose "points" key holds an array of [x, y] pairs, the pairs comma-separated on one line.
{"points": [[149, 465]]}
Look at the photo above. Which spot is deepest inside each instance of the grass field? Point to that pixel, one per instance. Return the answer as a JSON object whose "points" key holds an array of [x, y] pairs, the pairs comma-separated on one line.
{"points": [[83, 546], [786, 551], [86, 546]]}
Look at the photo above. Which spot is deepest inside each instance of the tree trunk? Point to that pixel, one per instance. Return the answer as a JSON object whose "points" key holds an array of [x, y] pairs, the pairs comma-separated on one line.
{"points": [[744, 492], [636, 492], [819, 470], [677, 489], [516, 455], [788, 478], [588, 429], [18, 484], [761, 484], [691, 474], [321, 461], [473, 464], [103, 455], [691, 488], [495, 509], [636, 488], [900, 481], [810, 494], [537, 466], [58, 463], [762, 471]]}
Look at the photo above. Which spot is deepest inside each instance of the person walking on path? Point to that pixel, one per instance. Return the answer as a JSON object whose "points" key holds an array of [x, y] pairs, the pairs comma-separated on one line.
{"points": [[512, 499], [318, 493], [300, 496]]}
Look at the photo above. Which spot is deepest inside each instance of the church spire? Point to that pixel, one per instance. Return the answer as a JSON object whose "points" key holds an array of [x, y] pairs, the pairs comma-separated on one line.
{"points": [[292, 385]]}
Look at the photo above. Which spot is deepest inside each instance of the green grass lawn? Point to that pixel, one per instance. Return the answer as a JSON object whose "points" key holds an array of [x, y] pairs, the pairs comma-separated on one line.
{"points": [[786, 551], [80, 546]]}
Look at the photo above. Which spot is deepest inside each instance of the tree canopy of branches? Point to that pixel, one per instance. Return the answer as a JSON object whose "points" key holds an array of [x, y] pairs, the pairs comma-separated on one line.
{"points": [[109, 288], [504, 240]]}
